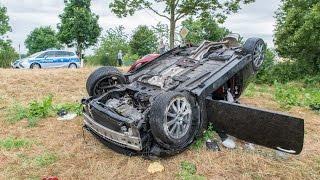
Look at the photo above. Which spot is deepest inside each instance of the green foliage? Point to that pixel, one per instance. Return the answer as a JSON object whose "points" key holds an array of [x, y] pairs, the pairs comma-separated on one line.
{"points": [[45, 159], [208, 134], [143, 41], [114, 40], [297, 94], [70, 107], [297, 34], [250, 90], [264, 74], [10, 143], [37, 110], [204, 28], [129, 59], [175, 10], [40, 109], [16, 113], [188, 171], [7, 53], [286, 95], [41, 39], [79, 26], [4, 21]]}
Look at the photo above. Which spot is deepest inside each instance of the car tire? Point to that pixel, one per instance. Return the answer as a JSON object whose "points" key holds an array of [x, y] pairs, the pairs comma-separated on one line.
{"points": [[162, 128], [102, 79], [73, 66], [35, 66], [256, 47]]}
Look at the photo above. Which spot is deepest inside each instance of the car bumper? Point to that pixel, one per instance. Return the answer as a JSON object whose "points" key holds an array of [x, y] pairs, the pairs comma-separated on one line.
{"points": [[117, 138]]}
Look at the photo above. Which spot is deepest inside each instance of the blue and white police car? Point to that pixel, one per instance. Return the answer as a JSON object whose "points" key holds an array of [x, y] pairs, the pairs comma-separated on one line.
{"points": [[48, 59]]}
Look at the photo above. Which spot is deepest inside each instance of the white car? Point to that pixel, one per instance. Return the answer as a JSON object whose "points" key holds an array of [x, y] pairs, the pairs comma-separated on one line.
{"points": [[48, 59]]}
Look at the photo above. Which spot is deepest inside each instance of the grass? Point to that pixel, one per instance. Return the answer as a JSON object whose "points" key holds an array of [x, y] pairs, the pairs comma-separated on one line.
{"points": [[76, 158], [37, 110], [208, 134], [188, 171], [10, 143], [45, 159]]}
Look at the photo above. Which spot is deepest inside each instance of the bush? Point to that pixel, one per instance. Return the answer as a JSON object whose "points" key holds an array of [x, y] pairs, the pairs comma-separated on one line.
{"points": [[129, 59], [7, 54], [286, 95]]}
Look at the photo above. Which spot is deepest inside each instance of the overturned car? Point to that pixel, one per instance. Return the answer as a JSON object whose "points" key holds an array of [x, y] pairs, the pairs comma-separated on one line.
{"points": [[162, 106]]}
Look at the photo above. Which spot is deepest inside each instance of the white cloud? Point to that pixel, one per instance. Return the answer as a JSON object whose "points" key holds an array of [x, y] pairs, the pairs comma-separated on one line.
{"points": [[253, 20]]}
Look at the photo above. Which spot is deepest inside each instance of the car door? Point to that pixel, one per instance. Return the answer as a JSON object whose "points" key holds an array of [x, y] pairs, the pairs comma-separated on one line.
{"points": [[60, 59], [48, 61]]}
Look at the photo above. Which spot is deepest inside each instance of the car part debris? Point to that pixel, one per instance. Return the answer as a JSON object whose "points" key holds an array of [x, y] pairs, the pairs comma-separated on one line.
{"points": [[212, 145], [161, 106]]}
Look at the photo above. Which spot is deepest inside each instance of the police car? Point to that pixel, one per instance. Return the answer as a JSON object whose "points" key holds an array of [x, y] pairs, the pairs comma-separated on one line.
{"points": [[48, 59]]}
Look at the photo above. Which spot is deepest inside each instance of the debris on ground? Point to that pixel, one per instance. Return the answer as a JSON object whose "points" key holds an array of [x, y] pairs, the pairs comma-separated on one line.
{"points": [[281, 155], [155, 167], [212, 145], [229, 143], [65, 115], [249, 146]]}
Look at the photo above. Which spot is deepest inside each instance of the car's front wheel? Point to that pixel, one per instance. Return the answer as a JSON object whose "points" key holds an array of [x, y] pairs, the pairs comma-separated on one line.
{"points": [[256, 47], [103, 79], [173, 120], [35, 66]]}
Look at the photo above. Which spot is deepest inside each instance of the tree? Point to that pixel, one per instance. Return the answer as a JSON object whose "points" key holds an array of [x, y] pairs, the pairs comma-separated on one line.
{"points": [[175, 10], [297, 34], [114, 40], [4, 21], [143, 41], [204, 28], [79, 26], [7, 53], [41, 39]]}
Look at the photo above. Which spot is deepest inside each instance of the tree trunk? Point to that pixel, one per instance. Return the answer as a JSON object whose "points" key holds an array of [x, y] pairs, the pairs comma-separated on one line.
{"points": [[79, 53], [172, 24]]}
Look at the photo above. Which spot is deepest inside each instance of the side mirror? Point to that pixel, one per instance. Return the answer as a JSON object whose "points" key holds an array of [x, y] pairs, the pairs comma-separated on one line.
{"points": [[45, 57]]}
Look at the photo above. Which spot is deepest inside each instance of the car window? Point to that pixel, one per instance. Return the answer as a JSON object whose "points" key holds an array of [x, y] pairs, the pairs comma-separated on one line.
{"points": [[50, 54], [42, 55], [70, 53], [60, 54]]}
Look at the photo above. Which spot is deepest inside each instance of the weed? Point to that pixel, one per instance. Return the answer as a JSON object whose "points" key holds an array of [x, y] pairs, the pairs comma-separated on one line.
{"points": [[250, 90], [33, 112], [208, 134], [286, 95], [45, 159], [40, 109], [71, 107], [13, 143], [188, 171], [16, 113]]}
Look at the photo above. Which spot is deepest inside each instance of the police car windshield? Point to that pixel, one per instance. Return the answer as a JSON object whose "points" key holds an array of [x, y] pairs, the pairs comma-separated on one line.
{"points": [[36, 54]]}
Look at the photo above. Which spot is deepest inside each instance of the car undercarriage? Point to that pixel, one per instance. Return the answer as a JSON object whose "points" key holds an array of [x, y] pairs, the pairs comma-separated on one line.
{"points": [[161, 107]]}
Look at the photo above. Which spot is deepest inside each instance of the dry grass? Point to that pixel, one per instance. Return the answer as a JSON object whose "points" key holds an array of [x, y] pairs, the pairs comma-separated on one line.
{"points": [[79, 158]]}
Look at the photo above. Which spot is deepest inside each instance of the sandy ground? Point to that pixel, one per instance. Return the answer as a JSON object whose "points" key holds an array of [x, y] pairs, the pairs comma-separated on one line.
{"points": [[86, 158]]}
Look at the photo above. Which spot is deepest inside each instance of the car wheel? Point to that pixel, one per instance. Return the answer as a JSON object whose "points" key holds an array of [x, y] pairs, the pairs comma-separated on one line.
{"points": [[73, 66], [35, 66], [256, 47], [173, 120], [103, 79]]}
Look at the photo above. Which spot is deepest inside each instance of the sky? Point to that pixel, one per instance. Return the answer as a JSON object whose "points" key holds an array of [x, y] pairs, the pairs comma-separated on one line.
{"points": [[253, 20]]}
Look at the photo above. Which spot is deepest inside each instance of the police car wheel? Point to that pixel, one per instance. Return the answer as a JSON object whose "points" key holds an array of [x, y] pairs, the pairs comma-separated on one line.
{"points": [[35, 66], [73, 66]]}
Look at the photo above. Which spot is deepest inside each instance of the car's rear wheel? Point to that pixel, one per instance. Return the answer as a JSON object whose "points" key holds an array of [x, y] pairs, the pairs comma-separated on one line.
{"points": [[103, 79], [173, 120], [35, 66], [256, 47], [73, 66]]}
